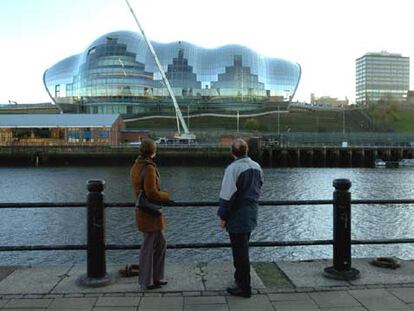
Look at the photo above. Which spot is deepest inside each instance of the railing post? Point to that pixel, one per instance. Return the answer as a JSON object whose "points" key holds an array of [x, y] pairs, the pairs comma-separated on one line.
{"points": [[96, 275], [341, 269]]}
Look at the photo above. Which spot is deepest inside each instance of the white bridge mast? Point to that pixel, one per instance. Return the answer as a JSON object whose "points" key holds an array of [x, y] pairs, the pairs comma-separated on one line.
{"points": [[179, 116]]}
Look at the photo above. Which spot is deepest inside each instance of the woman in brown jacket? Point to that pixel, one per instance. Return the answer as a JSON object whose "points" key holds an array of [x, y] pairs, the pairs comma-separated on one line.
{"points": [[152, 253]]}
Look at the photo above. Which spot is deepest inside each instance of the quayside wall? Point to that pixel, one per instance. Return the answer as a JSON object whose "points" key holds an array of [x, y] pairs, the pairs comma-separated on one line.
{"points": [[287, 156], [105, 155]]}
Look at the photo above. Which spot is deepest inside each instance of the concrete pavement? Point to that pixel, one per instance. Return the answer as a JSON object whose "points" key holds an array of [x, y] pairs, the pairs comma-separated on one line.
{"points": [[201, 286]]}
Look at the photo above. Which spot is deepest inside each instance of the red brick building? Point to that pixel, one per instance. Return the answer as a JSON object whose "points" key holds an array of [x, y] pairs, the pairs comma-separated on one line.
{"points": [[61, 129]]}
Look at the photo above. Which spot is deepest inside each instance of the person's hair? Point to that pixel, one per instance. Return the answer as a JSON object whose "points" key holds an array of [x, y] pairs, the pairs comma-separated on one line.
{"points": [[147, 148], [239, 148]]}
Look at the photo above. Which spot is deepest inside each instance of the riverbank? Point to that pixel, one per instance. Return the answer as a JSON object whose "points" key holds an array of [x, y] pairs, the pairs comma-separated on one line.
{"points": [[107, 155], [206, 155], [201, 286]]}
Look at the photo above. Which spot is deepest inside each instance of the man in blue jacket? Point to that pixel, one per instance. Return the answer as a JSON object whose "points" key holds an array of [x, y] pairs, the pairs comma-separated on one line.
{"points": [[239, 196]]}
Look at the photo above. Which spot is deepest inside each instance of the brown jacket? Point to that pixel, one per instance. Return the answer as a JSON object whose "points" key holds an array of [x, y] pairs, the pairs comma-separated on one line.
{"points": [[145, 221]]}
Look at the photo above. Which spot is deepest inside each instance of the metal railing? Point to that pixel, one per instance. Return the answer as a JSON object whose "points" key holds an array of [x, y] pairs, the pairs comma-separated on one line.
{"points": [[96, 246], [373, 139]]}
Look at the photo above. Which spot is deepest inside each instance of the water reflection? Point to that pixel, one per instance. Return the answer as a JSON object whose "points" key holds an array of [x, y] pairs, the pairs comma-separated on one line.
{"points": [[185, 225]]}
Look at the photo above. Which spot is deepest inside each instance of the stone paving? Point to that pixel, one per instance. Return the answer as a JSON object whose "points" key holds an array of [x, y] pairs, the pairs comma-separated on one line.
{"points": [[201, 286]]}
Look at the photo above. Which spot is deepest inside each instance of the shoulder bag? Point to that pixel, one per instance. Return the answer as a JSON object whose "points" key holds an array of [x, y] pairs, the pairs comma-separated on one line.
{"points": [[142, 202]]}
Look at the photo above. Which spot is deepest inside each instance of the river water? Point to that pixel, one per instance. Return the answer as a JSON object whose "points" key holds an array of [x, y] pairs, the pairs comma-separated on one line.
{"points": [[186, 225]]}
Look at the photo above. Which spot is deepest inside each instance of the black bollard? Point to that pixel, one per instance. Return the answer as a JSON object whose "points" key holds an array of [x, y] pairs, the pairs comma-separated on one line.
{"points": [[341, 269], [96, 275]]}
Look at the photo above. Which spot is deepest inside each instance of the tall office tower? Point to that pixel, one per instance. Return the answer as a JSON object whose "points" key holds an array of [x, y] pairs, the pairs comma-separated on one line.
{"points": [[382, 76]]}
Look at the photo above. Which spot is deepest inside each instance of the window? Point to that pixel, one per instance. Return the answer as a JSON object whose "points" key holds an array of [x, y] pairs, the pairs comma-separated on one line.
{"points": [[103, 134], [91, 51], [57, 90]]}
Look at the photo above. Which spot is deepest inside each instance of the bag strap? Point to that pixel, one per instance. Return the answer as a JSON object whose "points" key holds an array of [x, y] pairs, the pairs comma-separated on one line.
{"points": [[142, 177]]}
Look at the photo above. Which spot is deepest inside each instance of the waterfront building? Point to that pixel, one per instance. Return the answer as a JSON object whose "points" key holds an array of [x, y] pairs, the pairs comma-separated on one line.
{"points": [[382, 76], [410, 97], [29, 108], [328, 101], [117, 74], [60, 129]]}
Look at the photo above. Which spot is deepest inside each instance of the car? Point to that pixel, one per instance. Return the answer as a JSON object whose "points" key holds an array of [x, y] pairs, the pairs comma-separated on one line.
{"points": [[134, 143], [162, 140]]}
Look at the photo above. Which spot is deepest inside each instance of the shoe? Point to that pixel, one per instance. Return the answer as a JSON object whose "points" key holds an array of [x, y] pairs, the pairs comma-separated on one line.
{"points": [[237, 291], [160, 282], [154, 286], [129, 270]]}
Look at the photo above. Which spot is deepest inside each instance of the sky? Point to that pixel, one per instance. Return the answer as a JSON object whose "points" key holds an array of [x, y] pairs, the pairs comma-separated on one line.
{"points": [[324, 36]]}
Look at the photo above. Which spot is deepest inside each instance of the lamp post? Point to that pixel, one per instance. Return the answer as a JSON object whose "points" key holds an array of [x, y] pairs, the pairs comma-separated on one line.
{"points": [[242, 82], [188, 115], [238, 121], [343, 120], [278, 121]]}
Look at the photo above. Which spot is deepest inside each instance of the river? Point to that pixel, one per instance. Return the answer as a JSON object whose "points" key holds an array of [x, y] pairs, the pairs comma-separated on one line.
{"points": [[186, 225]]}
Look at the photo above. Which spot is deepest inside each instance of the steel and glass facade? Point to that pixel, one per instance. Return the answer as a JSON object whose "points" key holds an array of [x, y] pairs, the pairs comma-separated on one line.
{"points": [[382, 76], [117, 74]]}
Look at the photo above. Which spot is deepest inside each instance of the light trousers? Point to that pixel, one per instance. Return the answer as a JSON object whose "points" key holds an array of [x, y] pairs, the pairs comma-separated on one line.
{"points": [[152, 258]]}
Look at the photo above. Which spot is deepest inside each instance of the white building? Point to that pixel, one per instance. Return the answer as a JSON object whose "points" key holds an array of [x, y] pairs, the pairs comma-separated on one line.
{"points": [[382, 76]]}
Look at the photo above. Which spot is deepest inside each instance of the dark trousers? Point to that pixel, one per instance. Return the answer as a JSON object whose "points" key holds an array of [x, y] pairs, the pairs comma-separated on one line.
{"points": [[241, 261]]}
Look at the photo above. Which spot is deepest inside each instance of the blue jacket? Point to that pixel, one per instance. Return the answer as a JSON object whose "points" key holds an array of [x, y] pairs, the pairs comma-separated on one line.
{"points": [[239, 195]]}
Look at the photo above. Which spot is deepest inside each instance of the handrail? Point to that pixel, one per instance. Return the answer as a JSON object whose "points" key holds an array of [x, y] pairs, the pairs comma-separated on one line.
{"points": [[173, 204], [201, 203], [96, 246]]}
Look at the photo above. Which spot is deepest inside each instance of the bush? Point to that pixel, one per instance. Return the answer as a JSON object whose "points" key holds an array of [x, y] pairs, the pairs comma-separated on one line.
{"points": [[251, 124]]}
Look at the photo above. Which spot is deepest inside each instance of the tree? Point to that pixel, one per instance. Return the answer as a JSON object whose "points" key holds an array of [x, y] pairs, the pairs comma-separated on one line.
{"points": [[385, 112], [252, 124]]}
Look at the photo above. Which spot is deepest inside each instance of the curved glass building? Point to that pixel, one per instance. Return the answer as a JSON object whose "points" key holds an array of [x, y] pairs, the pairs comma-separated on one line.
{"points": [[117, 74]]}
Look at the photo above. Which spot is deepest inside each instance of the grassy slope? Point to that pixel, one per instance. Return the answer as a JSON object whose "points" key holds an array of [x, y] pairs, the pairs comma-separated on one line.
{"points": [[405, 122], [296, 121]]}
